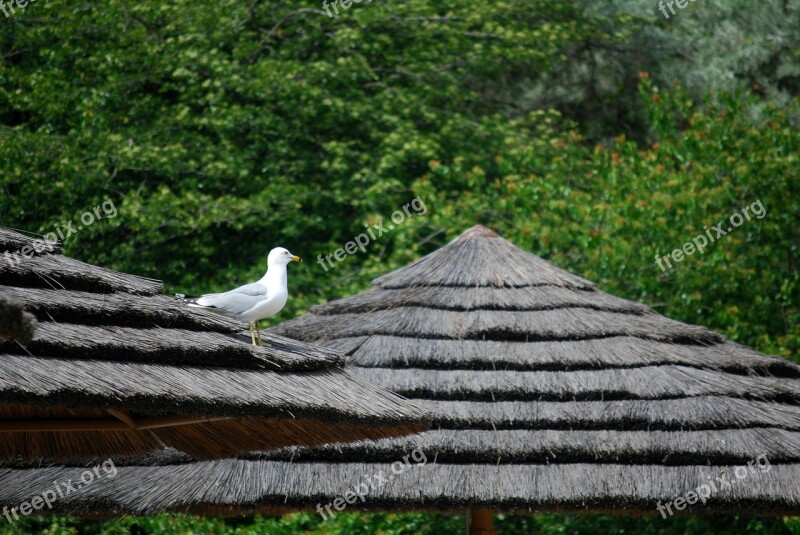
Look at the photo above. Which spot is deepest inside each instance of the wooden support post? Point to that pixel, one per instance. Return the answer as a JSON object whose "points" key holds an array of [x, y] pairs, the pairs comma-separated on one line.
{"points": [[479, 521]]}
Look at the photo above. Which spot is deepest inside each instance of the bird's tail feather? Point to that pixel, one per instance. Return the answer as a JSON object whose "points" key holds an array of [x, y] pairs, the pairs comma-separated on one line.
{"points": [[190, 300]]}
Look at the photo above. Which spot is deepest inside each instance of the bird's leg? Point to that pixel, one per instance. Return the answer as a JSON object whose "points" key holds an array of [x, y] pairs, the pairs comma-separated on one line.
{"points": [[252, 334], [258, 330]]}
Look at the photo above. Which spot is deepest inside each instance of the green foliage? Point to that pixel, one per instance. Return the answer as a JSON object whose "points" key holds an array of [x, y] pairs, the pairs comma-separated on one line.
{"points": [[591, 524], [710, 47], [411, 524], [308, 523], [715, 45]]}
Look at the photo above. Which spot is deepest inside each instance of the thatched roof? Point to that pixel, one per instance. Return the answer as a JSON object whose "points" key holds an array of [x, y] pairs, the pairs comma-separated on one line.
{"points": [[115, 368], [547, 395]]}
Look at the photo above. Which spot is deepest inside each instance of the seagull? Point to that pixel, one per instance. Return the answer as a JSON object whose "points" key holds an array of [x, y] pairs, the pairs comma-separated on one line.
{"points": [[255, 301]]}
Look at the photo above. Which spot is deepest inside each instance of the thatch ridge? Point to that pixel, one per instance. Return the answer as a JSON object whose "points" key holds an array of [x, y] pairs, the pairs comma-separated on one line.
{"points": [[90, 308], [649, 382], [696, 413], [524, 298], [611, 352], [177, 346], [524, 446], [64, 273], [536, 325], [159, 389], [265, 486]]}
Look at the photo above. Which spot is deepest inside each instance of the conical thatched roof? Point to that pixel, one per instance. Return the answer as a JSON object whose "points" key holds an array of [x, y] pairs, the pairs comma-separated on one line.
{"points": [[547, 395], [115, 368]]}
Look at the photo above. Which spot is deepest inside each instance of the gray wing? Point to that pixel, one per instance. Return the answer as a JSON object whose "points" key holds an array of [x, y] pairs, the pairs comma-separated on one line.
{"points": [[237, 301]]}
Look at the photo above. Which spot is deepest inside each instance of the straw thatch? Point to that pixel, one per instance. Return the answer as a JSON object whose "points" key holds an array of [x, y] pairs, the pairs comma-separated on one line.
{"points": [[15, 322], [115, 368], [547, 395]]}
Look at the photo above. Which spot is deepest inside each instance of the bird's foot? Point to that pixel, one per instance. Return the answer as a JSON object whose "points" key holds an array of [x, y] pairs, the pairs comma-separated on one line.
{"points": [[261, 342]]}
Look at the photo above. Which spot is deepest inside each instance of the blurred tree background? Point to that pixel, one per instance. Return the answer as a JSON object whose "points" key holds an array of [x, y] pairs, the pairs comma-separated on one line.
{"points": [[598, 135]]}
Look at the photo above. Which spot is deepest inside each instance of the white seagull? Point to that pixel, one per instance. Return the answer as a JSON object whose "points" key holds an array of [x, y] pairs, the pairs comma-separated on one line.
{"points": [[255, 301]]}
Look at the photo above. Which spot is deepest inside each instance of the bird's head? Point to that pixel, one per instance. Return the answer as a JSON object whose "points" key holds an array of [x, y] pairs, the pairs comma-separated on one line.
{"points": [[282, 257]]}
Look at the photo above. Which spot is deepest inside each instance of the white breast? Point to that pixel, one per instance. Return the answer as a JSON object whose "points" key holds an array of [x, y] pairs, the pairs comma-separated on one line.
{"points": [[267, 308]]}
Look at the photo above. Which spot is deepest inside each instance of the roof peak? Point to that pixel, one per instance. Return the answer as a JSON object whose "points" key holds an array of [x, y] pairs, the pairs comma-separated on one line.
{"points": [[470, 262], [479, 231]]}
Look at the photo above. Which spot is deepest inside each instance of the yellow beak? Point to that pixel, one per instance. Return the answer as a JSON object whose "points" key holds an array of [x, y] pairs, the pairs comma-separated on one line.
{"points": [[296, 259]]}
